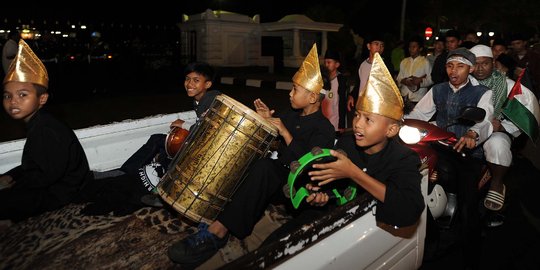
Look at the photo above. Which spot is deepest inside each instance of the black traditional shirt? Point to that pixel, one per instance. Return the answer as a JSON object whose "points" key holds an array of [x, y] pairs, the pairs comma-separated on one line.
{"points": [[397, 167], [53, 159], [307, 131], [204, 104]]}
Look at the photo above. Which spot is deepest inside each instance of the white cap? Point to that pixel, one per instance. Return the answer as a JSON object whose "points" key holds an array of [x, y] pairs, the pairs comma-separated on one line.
{"points": [[482, 51]]}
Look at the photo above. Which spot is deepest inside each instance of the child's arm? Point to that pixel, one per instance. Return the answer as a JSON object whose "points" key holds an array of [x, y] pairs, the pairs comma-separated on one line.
{"points": [[49, 157], [266, 113], [282, 130], [343, 167]]}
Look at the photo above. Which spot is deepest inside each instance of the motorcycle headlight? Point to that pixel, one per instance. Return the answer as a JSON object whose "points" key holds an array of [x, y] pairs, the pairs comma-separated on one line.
{"points": [[410, 135]]}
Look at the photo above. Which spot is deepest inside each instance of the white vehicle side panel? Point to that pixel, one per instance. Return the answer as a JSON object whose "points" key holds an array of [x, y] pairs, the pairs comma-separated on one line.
{"points": [[108, 146]]}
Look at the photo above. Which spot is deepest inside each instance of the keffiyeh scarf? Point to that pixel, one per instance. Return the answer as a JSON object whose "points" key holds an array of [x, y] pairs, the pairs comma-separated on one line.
{"points": [[497, 83]]}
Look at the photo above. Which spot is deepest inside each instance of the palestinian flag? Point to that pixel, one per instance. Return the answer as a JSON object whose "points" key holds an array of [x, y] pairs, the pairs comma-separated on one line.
{"points": [[514, 110]]}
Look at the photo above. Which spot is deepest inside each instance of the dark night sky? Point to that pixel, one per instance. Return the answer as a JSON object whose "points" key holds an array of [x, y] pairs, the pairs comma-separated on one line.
{"points": [[151, 11], [170, 12], [361, 15]]}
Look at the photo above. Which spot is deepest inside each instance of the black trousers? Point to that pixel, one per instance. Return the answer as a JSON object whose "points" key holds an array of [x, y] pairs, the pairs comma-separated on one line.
{"points": [[461, 175], [155, 145], [262, 185], [19, 203], [119, 194]]}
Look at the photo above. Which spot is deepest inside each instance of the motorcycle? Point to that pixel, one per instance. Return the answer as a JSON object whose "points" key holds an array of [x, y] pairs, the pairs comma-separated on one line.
{"points": [[446, 224], [423, 137]]}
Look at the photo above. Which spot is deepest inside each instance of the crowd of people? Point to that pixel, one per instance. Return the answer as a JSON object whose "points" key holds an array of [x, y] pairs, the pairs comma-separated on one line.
{"points": [[418, 73], [434, 87]]}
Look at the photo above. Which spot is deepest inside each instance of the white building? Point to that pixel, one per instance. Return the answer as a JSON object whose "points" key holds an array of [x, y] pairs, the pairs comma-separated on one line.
{"points": [[229, 39]]}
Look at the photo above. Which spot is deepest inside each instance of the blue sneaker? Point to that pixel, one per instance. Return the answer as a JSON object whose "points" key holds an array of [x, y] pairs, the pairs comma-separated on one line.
{"points": [[196, 248]]}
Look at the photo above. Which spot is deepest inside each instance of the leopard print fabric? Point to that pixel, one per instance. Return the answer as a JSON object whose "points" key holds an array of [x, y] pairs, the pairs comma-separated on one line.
{"points": [[164, 221], [67, 239], [49, 235]]}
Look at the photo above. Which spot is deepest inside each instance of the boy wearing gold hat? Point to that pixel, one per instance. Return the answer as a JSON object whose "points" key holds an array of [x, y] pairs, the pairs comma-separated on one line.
{"points": [[375, 160], [54, 166], [301, 128]]}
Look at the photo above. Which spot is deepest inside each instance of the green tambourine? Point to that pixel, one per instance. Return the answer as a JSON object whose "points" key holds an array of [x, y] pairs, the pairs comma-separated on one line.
{"points": [[298, 175]]}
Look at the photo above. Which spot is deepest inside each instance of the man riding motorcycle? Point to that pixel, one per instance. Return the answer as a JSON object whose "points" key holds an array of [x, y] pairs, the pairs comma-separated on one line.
{"points": [[444, 102]]}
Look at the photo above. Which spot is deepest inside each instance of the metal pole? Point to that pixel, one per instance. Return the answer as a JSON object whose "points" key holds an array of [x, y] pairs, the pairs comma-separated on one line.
{"points": [[402, 26]]}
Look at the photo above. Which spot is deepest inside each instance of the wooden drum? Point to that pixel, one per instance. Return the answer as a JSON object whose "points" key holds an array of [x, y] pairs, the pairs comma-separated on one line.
{"points": [[214, 159]]}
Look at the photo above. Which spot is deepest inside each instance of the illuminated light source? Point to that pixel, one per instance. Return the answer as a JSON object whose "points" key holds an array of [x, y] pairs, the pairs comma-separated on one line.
{"points": [[478, 34], [491, 33], [27, 35], [428, 33], [409, 135]]}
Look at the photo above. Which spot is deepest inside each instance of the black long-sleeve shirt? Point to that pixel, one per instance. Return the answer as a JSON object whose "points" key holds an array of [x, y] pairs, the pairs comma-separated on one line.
{"points": [[397, 167], [53, 159], [307, 131], [204, 104]]}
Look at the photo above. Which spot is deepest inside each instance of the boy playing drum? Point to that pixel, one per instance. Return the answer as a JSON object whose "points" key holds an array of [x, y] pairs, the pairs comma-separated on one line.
{"points": [[301, 129]]}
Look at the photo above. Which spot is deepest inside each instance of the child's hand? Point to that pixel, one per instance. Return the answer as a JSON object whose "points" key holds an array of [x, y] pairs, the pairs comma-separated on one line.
{"points": [[328, 172], [6, 181], [316, 198], [262, 109], [177, 123], [282, 130], [278, 124]]}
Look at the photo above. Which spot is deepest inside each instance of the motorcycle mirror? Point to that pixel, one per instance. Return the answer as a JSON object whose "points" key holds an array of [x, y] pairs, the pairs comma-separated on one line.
{"points": [[474, 114]]}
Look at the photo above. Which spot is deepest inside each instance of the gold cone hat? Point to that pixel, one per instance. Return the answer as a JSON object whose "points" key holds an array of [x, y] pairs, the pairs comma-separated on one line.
{"points": [[26, 67], [309, 75], [381, 94]]}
